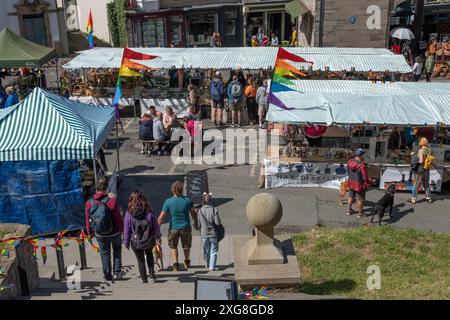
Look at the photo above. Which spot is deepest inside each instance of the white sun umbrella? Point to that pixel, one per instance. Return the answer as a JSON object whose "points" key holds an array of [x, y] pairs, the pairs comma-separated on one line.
{"points": [[402, 34]]}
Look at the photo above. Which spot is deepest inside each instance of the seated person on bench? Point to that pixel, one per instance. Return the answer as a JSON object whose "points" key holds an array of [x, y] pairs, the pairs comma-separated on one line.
{"points": [[160, 134], [146, 131]]}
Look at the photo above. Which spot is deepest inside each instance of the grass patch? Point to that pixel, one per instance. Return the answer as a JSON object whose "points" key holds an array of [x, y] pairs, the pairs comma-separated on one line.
{"points": [[414, 264]]}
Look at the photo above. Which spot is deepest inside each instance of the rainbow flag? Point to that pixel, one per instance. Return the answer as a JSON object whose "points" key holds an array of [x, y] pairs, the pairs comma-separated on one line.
{"points": [[128, 69], [90, 29], [284, 70]]}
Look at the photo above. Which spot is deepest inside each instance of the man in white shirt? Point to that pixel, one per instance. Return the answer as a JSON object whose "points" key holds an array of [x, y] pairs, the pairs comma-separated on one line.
{"points": [[417, 69]]}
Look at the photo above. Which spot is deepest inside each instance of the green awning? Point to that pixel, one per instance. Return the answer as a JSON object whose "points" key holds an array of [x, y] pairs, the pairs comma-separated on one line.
{"points": [[16, 52], [295, 8]]}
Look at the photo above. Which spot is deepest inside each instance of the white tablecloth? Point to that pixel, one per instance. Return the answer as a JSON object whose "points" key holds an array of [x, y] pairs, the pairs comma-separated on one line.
{"points": [[179, 106]]}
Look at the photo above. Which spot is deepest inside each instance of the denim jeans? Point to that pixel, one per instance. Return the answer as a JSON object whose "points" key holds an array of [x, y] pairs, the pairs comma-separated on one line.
{"points": [[210, 249], [105, 244]]}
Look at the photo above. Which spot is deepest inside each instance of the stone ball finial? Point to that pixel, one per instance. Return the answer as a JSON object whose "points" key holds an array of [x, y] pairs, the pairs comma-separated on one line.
{"points": [[264, 210]]}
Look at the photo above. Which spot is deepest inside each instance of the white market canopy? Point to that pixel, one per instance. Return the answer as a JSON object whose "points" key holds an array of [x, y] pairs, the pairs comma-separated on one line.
{"points": [[349, 102], [46, 126], [337, 59]]}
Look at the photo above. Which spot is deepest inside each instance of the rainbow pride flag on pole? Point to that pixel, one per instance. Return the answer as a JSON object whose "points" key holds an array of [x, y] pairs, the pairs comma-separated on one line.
{"points": [[90, 29], [128, 69], [283, 71]]}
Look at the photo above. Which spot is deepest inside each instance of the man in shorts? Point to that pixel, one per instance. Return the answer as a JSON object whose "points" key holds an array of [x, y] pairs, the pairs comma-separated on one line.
{"points": [[262, 101], [235, 94], [179, 208], [358, 182], [217, 94]]}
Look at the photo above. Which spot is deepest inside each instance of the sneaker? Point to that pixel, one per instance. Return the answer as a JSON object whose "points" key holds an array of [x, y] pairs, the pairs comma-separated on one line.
{"points": [[221, 124], [350, 212], [166, 153], [118, 276], [233, 125], [176, 267], [142, 151], [160, 153], [215, 123], [238, 125], [149, 152], [213, 269], [360, 214], [152, 279], [187, 264], [108, 278], [428, 200]]}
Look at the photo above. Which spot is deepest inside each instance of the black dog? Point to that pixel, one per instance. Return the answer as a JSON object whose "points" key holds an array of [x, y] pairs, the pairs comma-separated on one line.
{"points": [[387, 201]]}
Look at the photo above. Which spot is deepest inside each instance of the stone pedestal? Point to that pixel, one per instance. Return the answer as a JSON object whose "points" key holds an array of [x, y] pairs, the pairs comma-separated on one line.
{"points": [[264, 260]]}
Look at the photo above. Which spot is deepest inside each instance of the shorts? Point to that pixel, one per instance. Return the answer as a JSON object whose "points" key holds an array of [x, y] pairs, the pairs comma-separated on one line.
{"points": [[361, 195], [184, 234], [236, 106], [262, 109], [217, 104]]}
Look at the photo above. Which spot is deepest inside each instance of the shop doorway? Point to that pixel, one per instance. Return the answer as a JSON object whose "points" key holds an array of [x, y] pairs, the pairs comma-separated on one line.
{"points": [[175, 31], [254, 21], [275, 23], [200, 26]]}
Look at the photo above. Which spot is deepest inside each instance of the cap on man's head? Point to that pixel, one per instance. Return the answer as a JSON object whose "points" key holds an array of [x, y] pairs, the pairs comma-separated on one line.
{"points": [[218, 73], [359, 152]]}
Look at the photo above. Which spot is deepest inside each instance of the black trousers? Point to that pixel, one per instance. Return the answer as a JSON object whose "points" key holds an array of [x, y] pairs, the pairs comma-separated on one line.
{"points": [[252, 109], [140, 256], [314, 142]]}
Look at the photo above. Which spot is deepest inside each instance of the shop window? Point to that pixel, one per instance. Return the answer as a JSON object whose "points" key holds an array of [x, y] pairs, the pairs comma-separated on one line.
{"points": [[230, 23], [201, 27], [175, 29], [153, 32]]}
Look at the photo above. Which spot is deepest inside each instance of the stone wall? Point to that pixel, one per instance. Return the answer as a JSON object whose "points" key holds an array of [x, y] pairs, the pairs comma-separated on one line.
{"points": [[339, 31], [14, 264]]}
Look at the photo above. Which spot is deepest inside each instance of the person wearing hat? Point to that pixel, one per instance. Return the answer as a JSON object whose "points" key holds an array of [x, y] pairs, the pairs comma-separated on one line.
{"points": [[422, 175], [12, 98], [217, 95], [358, 182]]}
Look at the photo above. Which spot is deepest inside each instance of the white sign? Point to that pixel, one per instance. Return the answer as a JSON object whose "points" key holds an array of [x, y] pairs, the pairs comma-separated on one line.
{"points": [[306, 175], [403, 178]]}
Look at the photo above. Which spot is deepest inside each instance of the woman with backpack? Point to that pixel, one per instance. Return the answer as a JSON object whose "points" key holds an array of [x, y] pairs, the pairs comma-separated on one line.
{"points": [[141, 232], [208, 223], [422, 176]]}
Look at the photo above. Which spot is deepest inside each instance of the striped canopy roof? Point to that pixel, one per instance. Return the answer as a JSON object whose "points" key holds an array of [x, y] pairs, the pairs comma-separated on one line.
{"points": [[46, 126]]}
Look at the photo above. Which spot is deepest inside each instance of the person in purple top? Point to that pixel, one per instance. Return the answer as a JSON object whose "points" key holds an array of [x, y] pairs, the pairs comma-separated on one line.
{"points": [[141, 233]]}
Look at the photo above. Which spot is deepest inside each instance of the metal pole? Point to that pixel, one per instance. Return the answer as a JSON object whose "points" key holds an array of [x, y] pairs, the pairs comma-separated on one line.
{"points": [[57, 76], [95, 171], [83, 260], [60, 261], [117, 148]]}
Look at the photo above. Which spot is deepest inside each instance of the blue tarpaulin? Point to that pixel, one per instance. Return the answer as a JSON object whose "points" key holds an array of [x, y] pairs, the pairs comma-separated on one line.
{"points": [[44, 194]]}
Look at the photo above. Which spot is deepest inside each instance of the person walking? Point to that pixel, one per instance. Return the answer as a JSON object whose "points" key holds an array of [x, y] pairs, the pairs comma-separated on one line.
{"points": [[179, 208], [358, 182], [429, 66], [235, 92], [250, 101], [217, 94], [262, 102], [417, 69], [103, 220], [422, 176], [141, 233], [208, 218]]}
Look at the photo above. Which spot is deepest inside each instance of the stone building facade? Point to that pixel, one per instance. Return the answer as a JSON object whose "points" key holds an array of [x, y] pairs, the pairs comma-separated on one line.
{"points": [[344, 23]]}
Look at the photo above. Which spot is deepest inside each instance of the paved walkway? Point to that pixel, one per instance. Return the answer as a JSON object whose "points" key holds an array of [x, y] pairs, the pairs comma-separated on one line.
{"points": [[169, 285]]}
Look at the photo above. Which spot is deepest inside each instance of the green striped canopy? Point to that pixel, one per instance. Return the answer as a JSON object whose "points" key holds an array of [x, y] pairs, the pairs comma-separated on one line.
{"points": [[46, 126]]}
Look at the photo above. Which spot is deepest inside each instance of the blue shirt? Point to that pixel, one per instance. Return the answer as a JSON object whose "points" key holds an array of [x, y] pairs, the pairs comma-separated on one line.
{"points": [[158, 130], [11, 100], [179, 209], [229, 91], [3, 98]]}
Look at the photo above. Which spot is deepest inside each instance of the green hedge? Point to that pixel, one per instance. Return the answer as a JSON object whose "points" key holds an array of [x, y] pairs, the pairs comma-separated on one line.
{"points": [[117, 22]]}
